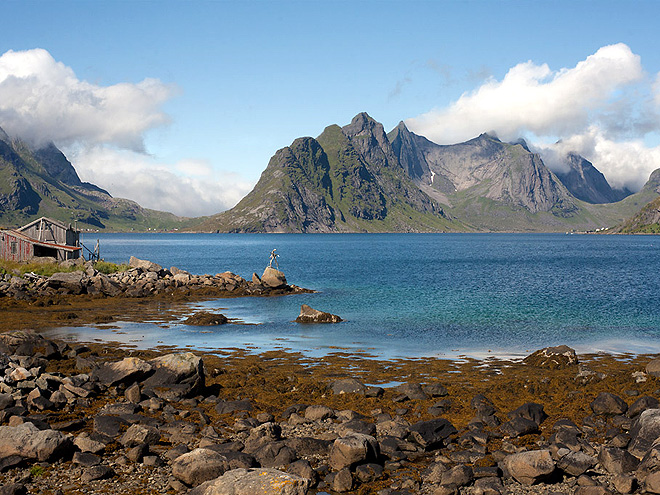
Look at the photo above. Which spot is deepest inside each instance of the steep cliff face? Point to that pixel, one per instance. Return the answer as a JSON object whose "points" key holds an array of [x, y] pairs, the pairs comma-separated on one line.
{"points": [[585, 182], [42, 182]]}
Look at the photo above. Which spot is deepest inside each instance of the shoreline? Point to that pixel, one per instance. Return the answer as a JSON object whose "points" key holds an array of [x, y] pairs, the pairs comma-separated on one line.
{"points": [[273, 382]]}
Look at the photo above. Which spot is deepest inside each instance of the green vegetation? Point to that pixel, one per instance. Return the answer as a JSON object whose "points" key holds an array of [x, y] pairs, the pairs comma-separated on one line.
{"points": [[37, 470], [45, 269], [107, 268], [48, 268]]}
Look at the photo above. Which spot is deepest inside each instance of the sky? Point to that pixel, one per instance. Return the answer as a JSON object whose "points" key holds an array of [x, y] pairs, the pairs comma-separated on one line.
{"points": [[179, 105]]}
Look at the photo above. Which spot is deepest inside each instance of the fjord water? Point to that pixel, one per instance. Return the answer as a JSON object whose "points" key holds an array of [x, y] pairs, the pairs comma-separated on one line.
{"points": [[406, 295]]}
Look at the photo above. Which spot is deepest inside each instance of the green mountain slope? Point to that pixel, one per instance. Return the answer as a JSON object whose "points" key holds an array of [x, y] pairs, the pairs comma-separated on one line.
{"points": [[646, 220], [35, 183]]}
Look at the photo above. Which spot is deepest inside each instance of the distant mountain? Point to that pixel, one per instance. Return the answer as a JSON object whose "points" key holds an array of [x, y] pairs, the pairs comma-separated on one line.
{"points": [[647, 220], [356, 178], [585, 182], [346, 180], [42, 182]]}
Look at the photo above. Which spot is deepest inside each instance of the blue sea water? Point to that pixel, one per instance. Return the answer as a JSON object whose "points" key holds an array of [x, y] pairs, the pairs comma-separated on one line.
{"points": [[409, 295]]}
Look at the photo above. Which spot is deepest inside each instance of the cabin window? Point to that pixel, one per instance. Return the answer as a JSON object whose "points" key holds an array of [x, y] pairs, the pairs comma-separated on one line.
{"points": [[14, 247]]}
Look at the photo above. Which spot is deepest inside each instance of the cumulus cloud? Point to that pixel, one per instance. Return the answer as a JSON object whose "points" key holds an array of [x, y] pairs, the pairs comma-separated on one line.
{"points": [[101, 130], [603, 107], [186, 188], [42, 100]]}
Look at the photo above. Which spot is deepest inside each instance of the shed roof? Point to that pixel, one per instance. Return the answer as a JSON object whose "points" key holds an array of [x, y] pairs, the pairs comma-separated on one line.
{"points": [[49, 220], [36, 242]]}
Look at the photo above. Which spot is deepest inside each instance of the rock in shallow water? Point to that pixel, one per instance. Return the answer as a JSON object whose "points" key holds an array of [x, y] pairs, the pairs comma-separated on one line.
{"points": [[311, 315], [554, 358]]}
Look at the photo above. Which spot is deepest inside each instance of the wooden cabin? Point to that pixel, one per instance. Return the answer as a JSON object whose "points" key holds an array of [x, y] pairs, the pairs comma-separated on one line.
{"points": [[42, 238]]}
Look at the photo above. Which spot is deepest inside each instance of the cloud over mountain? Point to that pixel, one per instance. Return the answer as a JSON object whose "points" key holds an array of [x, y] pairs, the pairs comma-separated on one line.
{"points": [[101, 129], [42, 100], [602, 107]]}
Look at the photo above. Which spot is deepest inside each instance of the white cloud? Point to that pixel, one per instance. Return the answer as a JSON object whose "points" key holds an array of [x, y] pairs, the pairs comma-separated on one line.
{"points": [[602, 107], [42, 100], [156, 185], [101, 130]]}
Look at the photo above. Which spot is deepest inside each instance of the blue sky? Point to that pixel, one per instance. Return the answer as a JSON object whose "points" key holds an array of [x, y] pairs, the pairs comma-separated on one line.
{"points": [[229, 83]]}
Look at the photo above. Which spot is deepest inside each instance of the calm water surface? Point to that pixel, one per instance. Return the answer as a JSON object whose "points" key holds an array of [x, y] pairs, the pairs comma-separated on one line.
{"points": [[415, 295]]}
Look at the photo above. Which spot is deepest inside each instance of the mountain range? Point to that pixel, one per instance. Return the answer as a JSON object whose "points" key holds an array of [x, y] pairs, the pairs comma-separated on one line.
{"points": [[37, 182], [357, 178]]}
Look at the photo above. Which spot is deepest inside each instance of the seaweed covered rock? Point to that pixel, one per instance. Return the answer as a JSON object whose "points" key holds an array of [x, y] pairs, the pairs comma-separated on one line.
{"points": [[554, 358], [311, 315], [204, 318]]}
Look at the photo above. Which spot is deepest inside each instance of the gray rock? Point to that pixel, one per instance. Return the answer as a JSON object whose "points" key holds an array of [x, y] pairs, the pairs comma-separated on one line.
{"points": [[644, 432], [518, 427], [127, 370], [576, 463], [608, 404], [138, 434], [253, 481], [529, 467], [273, 278], [86, 459], [530, 410], [198, 466], [86, 444], [342, 481], [275, 454], [652, 483], [347, 386], [624, 484], [412, 391], [319, 413], [28, 442], [435, 390], [653, 367], [617, 461], [487, 486], [353, 449], [366, 473], [147, 266], [641, 405], [311, 315], [460, 475], [432, 433], [96, 473], [70, 281], [230, 406]]}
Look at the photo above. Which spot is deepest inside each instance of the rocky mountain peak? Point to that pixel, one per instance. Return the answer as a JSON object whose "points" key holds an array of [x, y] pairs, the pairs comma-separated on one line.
{"points": [[3, 136], [587, 183]]}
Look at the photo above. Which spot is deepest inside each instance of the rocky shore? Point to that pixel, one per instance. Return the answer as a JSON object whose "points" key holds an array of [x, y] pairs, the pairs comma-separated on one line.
{"points": [[143, 278], [93, 418]]}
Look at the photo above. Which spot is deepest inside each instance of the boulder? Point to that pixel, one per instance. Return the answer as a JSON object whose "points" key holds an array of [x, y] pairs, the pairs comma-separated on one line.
{"points": [[352, 450], [553, 358], [641, 405], [28, 442], [253, 481], [644, 432], [198, 466], [347, 386], [617, 461], [432, 433], [177, 368], [529, 467], [138, 434], [653, 367], [411, 391], [531, 411], [576, 463], [319, 413], [311, 315], [127, 370], [147, 266], [519, 427], [608, 404], [70, 281], [273, 278]]}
